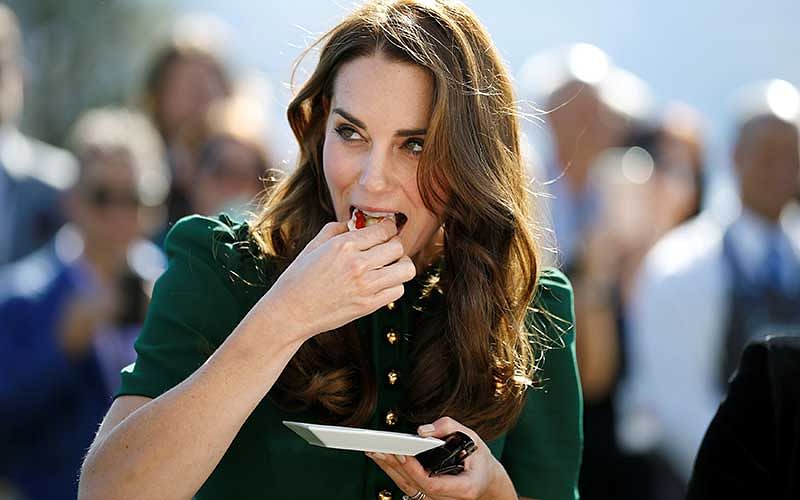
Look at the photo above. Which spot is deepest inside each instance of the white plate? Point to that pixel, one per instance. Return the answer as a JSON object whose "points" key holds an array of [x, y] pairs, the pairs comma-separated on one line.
{"points": [[351, 438]]}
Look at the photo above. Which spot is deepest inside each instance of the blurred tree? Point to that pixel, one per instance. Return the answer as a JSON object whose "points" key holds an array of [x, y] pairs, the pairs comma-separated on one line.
{"points": [[84, 53]]}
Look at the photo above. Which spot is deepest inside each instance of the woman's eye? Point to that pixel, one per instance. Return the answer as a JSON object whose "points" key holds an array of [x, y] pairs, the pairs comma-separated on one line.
{"points": [[347, 133], [414, 146]]}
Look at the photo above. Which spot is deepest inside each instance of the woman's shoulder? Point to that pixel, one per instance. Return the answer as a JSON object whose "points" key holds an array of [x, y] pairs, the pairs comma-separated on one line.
{"points": [[551, 317], [201, 233], [553, 277], [222, 246], [554, 293]]}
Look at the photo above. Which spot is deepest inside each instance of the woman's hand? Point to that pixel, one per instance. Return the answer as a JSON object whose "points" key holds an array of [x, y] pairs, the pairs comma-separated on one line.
{"points": [[342, 275], [483, 475]]}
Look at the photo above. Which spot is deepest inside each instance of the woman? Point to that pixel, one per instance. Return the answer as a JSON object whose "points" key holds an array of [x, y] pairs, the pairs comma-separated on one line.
{"points": [[420, 321], [185, 78], [234, 166]]}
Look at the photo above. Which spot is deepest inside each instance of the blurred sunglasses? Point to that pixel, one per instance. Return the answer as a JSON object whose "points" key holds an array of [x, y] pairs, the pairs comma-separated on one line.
{"points": [[103, 197]]}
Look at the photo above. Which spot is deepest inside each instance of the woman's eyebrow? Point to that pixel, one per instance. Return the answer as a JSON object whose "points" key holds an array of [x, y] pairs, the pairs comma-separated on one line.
{"points": [[358, 123], [347, 116]]}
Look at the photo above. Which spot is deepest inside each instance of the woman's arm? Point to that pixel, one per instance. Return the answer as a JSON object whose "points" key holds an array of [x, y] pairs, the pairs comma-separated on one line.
{"points": [[167, 447]]}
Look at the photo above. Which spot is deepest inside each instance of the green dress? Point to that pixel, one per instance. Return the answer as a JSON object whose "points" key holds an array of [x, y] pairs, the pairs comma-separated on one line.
{"points": [[211, 283]]}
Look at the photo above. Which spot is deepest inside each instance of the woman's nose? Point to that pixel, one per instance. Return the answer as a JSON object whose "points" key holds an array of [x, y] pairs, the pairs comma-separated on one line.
{"points": [[375, 172]]}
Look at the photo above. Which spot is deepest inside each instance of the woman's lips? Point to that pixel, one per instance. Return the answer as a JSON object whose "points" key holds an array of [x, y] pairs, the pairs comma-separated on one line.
{"points": [[360, 218]]}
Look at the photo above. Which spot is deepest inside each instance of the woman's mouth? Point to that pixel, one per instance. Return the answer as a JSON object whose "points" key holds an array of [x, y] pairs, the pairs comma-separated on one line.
{"points": [[360, 218]]}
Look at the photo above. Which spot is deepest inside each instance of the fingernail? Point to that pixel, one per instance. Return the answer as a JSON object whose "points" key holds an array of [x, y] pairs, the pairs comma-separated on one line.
{"points": [[426, 429], [401, 458], [379, 456]]}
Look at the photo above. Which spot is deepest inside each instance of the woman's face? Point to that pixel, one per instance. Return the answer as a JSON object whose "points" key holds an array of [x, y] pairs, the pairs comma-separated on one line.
{"points": [[374, 135], [189, 88]]}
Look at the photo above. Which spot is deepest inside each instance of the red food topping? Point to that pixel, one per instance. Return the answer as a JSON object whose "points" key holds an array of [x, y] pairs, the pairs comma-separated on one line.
{"points": [[361, 219]]}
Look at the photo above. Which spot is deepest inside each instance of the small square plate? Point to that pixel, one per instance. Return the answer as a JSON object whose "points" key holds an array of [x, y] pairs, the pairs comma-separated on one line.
{"points": [[352, 438]]}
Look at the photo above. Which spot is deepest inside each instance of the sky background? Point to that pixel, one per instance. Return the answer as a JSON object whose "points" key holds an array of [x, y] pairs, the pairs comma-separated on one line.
{"points": [[698, 51]]}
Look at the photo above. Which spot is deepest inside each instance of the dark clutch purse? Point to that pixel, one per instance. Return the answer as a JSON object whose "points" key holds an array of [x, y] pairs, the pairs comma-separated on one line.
{"points": [[449, 457]]}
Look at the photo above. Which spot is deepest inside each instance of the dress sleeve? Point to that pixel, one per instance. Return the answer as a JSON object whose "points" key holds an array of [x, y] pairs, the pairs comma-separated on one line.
{"points": [[542, 453], [192, 311]]}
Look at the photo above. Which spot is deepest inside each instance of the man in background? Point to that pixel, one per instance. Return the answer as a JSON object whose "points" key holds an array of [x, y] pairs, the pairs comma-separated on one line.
{"points": [[710, 285], [33, 175]]}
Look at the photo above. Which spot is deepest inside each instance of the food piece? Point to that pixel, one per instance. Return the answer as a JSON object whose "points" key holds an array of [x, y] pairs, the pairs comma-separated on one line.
{"points": [[362, 218]]}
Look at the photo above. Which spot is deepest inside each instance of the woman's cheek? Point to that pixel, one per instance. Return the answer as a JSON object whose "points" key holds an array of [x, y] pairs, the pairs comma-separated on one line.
{"points": [[336, 174], [340, 160]]}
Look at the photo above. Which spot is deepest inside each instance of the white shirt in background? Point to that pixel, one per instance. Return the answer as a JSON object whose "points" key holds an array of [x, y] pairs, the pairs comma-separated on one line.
{"points": [[677, 323]]}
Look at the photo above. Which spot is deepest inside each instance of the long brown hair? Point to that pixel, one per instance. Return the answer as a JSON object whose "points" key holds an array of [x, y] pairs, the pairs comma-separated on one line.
{"points": [[473, 358]]}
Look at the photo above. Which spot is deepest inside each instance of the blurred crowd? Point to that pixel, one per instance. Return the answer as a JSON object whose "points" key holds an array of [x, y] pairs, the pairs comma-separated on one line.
{"points": [[668, 290]]}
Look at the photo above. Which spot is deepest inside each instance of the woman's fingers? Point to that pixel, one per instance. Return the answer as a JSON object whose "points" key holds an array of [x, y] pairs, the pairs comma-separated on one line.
{"points": [[444, 426], [392, 275], [411, 477], [362, 239], [444, 486], [327, 232], [383, 297], [375, 234], [384, 253], [332, 280]]}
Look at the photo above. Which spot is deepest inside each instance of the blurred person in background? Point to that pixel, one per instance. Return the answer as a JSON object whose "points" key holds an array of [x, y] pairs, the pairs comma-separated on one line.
{"points": [[73, 309], [656, 184], [234, 166], [711, 285], [186, 76], [590, 108], [33, 175], [582, 124], [680, 152], [645, 188]]}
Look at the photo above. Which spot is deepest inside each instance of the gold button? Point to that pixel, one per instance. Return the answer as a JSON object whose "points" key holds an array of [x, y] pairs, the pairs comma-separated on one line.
{"points": [[392, 377], [391, 337], [391, 418], [390, 306], [384, 495]]}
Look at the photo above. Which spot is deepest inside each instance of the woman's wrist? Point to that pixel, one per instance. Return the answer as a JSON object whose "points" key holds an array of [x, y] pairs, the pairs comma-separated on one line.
{"points": [[500, 487], [263, 337], [275, 319]]}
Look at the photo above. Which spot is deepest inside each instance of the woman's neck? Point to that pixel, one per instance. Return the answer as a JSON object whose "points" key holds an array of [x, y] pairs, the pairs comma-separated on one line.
{"points": [[428, 255]]}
